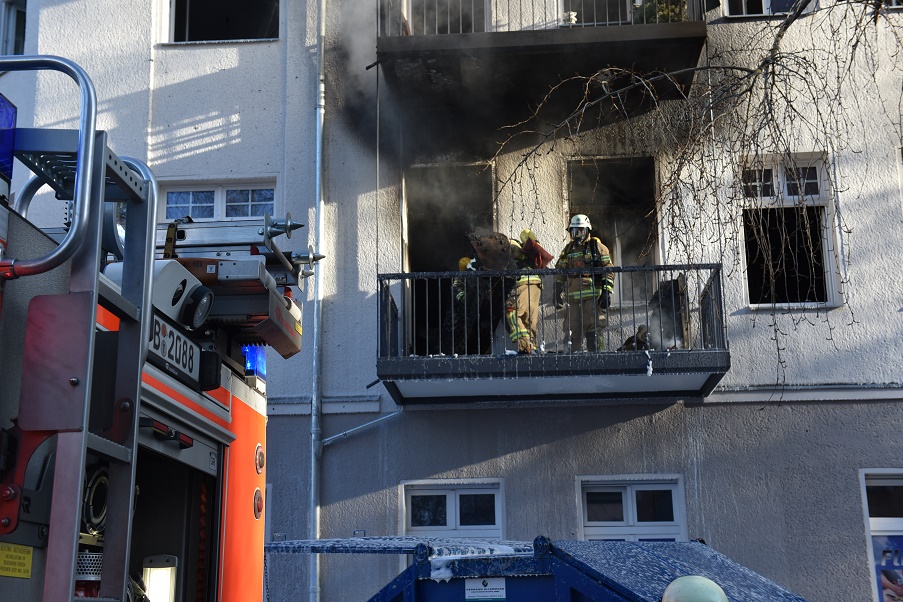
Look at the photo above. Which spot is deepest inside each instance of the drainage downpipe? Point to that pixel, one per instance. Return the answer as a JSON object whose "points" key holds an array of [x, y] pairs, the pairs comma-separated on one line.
{"points": [[316, 396]]}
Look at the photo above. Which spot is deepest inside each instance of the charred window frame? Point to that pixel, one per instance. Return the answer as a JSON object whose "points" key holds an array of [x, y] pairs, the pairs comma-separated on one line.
{"points": [[223, 20], [787, 234], [12, 27], [633, 508], [212, 202], [453, 509]]}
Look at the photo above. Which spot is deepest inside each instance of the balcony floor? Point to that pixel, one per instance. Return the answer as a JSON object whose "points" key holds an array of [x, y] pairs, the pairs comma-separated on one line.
{"points": [[653, 377]]}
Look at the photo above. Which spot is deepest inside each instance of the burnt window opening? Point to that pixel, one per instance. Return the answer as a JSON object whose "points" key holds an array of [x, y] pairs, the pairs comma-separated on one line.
{"points": [[786, 235], [219, 20], [431, 17], [785, 255], [618, 196], [445, 204]]}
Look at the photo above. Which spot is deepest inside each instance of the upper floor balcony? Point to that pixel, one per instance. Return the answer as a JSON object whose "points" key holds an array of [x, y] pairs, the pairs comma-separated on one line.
{"points": [[452, 337], [479, 56]]}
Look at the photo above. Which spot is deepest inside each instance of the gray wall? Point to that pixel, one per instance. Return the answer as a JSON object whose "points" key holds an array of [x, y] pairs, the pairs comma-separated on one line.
{"points": [[775, 486]]}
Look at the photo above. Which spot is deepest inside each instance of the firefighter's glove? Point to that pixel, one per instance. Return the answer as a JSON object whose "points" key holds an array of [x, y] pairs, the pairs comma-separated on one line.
{"points": [[459, 296], [558, 294], [605, 300]]}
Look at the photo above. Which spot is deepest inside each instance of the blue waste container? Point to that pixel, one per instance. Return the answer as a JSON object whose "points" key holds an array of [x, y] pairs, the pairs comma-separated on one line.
{"points": [[459, 570]]}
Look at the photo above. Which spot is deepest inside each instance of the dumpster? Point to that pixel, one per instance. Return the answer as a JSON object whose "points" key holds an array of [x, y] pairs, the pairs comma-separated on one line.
{"points": [[454, 570]]}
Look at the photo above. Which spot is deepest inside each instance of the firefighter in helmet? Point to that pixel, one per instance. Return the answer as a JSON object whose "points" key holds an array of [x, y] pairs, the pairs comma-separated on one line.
{"points": [[588, 296]]}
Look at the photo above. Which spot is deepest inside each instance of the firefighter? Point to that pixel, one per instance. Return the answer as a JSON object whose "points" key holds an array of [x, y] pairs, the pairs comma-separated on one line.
{"points": [[588, 296], [522, 302]]}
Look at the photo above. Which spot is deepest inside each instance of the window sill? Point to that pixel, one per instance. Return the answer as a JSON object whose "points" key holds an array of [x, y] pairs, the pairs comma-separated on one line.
{"points": [[217, 42], [794, 306]]}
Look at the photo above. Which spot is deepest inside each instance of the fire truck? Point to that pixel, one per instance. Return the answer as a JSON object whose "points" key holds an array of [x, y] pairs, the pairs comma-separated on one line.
{"points": [[133, 359]]}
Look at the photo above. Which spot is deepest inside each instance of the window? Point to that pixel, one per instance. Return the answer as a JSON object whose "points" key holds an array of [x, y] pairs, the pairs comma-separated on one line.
{"points": [[12, 27], [582, 13], [216, 20], [207, 203], [453, 510], [753, 8], [786, 225], [883, 493], [633, 508]]}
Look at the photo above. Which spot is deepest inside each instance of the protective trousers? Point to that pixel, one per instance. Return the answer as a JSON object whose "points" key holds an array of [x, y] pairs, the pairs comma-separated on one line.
{"points": [[585, 320], [522, 313]]}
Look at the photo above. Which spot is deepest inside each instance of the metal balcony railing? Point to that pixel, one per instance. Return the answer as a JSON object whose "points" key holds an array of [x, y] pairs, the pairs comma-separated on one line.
{"points": [[437, 17], [664, 308]]}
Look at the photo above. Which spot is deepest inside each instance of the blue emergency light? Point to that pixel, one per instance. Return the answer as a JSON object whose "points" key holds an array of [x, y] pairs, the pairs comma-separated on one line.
{"points": [[255, 360], [7, 137]]}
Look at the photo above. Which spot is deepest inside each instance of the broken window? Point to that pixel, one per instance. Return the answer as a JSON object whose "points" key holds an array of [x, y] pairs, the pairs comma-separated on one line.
{"points": [[12, 27], [431, 17], [217, 20], [788, 259]]}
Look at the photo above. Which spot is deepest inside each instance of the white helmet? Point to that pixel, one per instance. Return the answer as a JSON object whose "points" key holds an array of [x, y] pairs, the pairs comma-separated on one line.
{"points": [[580, 221], [693, 588]]}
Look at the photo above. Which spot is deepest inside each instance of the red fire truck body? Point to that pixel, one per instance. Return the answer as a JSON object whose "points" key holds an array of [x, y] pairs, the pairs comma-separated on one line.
{"points": [[133, 396]]}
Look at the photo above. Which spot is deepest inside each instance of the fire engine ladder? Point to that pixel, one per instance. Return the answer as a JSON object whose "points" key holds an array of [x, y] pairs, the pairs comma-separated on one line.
{"points": [[58, 395]]}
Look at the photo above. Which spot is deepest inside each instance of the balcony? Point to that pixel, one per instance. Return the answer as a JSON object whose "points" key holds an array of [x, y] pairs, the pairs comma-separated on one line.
{"points": [[479, 59], [444, 339]]}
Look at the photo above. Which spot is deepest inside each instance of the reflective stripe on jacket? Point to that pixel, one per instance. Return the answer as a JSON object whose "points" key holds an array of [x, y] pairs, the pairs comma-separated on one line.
{"points": [[592, 254]]}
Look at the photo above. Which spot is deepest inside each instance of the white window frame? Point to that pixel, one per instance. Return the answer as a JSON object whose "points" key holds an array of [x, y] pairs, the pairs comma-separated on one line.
{"points": [[219, 197], [629, 529], [453, 489], [766, 10], [9, 19], [781, 199], [880, 525]]}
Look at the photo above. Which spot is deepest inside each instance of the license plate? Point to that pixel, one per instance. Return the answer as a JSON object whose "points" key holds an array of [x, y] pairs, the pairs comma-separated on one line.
{"points": [[173, 351]]}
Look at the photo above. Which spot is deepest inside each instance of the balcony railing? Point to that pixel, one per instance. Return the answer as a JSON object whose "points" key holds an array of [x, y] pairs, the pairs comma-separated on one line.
{"points": [[437, 17], [671, 308]]}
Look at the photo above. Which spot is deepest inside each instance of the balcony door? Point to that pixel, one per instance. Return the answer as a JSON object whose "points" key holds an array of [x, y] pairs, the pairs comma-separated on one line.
{"points": [[445, 204], [619, 196]]}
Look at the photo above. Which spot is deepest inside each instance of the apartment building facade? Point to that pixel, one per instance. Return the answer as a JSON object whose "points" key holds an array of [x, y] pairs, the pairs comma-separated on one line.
{"points": [[763, 418]]}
